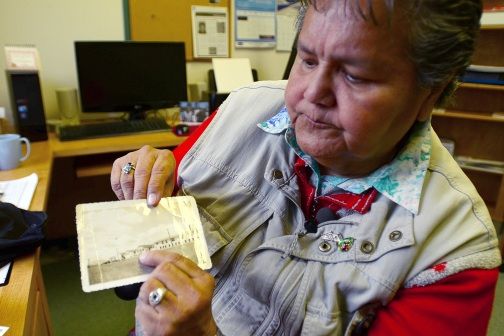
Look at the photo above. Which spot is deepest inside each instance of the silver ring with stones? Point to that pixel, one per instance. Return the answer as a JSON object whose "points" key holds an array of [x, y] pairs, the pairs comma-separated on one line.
{"points": [[128, 168], [156, 296]]}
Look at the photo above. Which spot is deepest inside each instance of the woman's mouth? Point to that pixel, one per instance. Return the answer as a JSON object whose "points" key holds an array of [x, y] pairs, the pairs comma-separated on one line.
{"points": [[313, 122]]}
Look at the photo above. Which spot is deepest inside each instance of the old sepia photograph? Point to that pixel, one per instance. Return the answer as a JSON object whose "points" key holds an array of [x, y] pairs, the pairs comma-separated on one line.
{"points": [[112, 235]]}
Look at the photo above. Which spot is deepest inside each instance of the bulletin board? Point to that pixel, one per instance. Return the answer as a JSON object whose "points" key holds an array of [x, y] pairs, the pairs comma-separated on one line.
{"points": [[166, 20]]}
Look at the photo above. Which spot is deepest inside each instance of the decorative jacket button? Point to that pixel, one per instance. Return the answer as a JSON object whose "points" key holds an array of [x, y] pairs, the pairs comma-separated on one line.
{"points": [[367, 247], [395, 235], [325, 247], [277, 174]]}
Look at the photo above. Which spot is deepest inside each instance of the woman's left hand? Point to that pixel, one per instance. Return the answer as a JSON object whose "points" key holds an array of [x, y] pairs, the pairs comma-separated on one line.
{"points": [[186, 305], [152, 177]]}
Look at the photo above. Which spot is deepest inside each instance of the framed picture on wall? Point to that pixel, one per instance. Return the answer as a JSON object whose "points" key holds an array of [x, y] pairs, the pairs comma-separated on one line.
{"points": [[193, 113]]}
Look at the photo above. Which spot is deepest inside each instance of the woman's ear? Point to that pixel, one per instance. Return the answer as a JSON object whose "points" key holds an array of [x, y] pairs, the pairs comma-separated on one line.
{"points": [[429, 103]]}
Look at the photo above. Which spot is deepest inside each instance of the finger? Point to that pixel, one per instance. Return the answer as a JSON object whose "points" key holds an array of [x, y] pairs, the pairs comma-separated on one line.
{"points": [[157, 257], [171, 277], [162, 177], [185, 303], [115, 178], [145, 318], [151, 284], [153, 320], [146, 158], [176, 281], [127, 184], [188, 295]]}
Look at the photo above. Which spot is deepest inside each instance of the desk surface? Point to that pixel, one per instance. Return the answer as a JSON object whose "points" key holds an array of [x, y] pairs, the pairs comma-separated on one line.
{"points": [[40, 162], [17, 301], [112, 144]]}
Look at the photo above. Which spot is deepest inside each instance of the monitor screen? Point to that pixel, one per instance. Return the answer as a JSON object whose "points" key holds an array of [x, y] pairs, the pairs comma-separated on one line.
{"points": [[116, 76]]}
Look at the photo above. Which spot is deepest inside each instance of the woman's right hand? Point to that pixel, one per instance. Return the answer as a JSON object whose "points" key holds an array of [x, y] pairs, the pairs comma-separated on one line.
{"points": [[152, 178]]}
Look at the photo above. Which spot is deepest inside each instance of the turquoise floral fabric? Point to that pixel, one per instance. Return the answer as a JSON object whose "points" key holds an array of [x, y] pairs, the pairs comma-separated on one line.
{"points": [[400, 180]]}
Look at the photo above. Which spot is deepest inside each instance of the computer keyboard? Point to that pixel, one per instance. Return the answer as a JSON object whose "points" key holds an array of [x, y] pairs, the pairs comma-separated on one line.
{"points": [[106, 129]]}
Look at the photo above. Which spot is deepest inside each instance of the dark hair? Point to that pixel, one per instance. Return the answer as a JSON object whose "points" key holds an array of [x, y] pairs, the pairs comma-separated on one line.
{"points": [[442, 36]]}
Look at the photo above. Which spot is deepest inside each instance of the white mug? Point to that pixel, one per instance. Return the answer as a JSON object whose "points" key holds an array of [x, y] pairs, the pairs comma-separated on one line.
{"points": [[10, 150]]}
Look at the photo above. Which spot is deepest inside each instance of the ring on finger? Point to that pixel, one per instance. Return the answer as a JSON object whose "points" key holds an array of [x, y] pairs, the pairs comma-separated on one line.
{"points": [[128, 168], [156, 296]]}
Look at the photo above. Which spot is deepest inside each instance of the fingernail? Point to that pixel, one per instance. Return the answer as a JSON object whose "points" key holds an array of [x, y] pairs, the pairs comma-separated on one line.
{"points": [[151, 199], [142, 256]]}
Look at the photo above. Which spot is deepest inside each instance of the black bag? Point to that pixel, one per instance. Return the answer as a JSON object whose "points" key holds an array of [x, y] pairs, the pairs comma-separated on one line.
{"points": [[20, 230]]}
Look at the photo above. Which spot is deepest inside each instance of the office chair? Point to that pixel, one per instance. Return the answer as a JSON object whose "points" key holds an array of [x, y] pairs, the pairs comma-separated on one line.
{"points": [[292, 58]]}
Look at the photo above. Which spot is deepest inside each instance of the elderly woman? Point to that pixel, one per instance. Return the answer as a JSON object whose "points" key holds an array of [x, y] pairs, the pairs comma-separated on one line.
{"points": [[329, 204]]}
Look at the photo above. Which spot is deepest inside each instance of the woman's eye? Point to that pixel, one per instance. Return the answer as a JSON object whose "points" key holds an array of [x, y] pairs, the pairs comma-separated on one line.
{"points": [[353, 79], [309, 63]]}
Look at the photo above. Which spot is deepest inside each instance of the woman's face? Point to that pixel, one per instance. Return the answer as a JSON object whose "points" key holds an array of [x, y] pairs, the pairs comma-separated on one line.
{"points": [[352, 94]]}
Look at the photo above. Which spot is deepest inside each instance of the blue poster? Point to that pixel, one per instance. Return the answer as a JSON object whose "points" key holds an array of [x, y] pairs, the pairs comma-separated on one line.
{"points": [[255, 24], [256, 5]]}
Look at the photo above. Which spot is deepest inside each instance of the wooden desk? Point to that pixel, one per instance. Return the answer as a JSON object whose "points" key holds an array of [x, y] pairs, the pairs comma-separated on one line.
{"points": [[112, 144], [23, 302]]}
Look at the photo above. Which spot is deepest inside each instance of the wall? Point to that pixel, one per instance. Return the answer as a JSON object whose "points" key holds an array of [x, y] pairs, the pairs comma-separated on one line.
{"points": [[270, 64], [53, 26]]}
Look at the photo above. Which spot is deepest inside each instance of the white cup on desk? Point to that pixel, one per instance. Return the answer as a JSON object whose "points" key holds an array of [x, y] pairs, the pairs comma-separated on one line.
{"points": [[10, 150]]}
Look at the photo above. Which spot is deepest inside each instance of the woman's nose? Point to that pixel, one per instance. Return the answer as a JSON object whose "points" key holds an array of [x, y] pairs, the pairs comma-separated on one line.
{"points": [[320, 88]]}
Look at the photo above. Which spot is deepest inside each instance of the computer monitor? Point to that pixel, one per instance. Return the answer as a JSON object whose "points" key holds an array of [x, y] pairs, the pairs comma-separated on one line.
{"points": [[130, 76]]}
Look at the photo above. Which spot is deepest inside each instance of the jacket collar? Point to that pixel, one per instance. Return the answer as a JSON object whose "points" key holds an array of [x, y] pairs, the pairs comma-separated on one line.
{"points": [[400, 180]]}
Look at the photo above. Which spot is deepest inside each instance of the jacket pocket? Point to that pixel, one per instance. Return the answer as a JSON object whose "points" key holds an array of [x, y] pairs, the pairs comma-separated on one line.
{"points": [[317, 322]]}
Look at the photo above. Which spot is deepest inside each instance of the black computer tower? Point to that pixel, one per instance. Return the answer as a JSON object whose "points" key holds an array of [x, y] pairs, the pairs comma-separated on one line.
{"points": [[27, 105]]}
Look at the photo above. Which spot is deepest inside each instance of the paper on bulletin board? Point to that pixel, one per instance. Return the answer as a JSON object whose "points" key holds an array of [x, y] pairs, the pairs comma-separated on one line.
{"points": [[3, 330], [210, 31], [255, 23], [286, 17], [231, 73], [22, 58]]}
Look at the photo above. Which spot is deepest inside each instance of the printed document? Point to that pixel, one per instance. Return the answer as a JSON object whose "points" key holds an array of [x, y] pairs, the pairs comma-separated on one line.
{"points": [[20, 191]]}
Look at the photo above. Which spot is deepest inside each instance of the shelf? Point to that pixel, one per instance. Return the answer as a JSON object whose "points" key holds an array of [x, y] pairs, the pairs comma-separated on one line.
{"points": [[494, 213], [96, 170], [474, 120], [481, 116], [492, 26], [496, 171], [490, 186], [489, 47], [492, 20], [478, 86]]}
